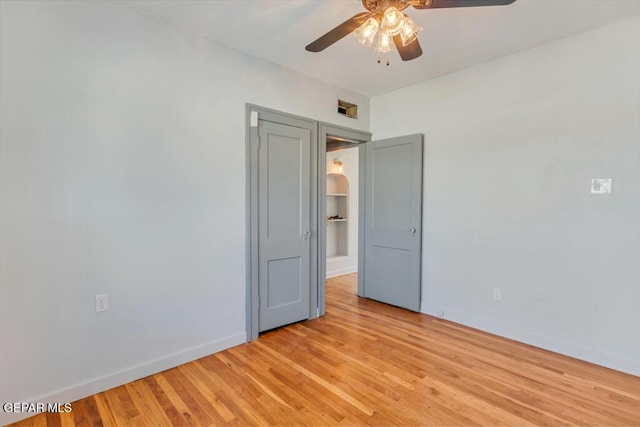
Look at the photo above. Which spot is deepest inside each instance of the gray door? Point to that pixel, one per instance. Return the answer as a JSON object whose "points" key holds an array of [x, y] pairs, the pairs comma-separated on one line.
{"points": [[284, 160], [393, 221]]}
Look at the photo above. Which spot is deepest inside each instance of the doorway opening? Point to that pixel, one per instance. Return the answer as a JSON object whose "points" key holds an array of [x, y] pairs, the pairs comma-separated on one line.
{"points": [[286, 196], [289, 179], [341, 201], [277, 281]]}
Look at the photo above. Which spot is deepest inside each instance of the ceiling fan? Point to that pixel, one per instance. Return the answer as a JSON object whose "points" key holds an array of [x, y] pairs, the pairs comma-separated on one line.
{"points": [[385, 19]]}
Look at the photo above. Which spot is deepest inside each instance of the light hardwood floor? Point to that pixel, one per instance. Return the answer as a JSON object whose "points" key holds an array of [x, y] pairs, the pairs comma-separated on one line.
{"points": [[366, 363]]}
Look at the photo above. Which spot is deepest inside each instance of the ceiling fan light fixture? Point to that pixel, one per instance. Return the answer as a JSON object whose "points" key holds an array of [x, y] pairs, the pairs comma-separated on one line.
{"points": [[410, 31], [367, 32], [394, 29], [392, 21]]}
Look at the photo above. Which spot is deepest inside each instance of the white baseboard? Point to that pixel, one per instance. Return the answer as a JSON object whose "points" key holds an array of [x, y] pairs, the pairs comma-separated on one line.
{"points": [[115, 379], [595, 356], [341, 271]]}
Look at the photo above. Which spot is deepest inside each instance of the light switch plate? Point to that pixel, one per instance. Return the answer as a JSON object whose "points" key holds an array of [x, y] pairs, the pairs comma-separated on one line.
{"points": [[601, 185]]}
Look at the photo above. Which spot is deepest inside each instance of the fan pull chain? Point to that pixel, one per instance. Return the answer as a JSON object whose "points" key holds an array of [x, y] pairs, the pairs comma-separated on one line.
{"points": [[379, 61]]}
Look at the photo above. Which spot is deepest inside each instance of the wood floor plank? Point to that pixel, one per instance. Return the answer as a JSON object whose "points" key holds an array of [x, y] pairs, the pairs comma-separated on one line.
{"points": [[53, 419], [149, 409], [204, 387], [319, 380], [174, 408], [108, 414], [300, 392], [367, 363]]}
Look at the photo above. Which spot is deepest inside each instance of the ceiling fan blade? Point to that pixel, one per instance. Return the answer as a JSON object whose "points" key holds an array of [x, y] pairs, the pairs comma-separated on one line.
{"points": [[338, 32], [439, 4], [408, 52]]}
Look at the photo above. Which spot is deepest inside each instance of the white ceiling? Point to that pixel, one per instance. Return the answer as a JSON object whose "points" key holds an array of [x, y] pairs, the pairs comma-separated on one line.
{"points": [[278, 31]]}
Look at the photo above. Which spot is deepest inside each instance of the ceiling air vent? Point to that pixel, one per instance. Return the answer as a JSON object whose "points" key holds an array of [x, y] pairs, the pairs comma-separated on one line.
{"points": [[347, 109]]}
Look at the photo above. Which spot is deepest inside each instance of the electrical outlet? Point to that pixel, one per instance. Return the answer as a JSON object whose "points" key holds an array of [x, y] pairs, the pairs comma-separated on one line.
{"points": [[102, 302], [497, 294]]}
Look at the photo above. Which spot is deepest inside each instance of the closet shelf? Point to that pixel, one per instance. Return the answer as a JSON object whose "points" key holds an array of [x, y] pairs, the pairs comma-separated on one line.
{"points": [[337, 211]]}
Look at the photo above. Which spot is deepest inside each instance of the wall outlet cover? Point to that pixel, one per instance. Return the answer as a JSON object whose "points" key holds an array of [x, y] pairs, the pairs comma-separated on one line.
{"points": [[102, 302], [601, 185]]}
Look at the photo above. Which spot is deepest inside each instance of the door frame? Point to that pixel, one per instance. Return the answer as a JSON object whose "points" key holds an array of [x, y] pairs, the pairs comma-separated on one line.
{"points": [[317, 263], [251, 211], [358, 138]]}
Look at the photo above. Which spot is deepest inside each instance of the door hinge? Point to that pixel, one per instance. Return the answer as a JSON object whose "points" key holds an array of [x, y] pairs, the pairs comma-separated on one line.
{"points": [[258, 143]]}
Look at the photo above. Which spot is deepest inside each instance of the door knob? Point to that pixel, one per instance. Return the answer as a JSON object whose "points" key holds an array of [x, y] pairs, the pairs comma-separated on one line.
{"points": [[413, 231]]}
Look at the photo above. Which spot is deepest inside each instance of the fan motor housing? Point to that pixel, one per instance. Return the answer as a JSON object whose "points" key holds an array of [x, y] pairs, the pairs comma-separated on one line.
{"points": [[375, 6]]}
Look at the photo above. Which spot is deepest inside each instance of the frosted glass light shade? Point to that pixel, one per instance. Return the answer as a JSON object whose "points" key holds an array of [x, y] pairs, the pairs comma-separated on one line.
{"points": [[392, 21], [410, 31], [367, 31], [384, 43]]}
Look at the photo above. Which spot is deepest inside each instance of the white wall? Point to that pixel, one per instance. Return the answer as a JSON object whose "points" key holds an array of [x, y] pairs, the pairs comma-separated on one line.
{"points": [[122, 171], [350, 162], [510, 149]]}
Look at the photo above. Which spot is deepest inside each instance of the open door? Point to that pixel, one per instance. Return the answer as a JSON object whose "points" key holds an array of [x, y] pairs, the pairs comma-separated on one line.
{"points": [[392, 221]]}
